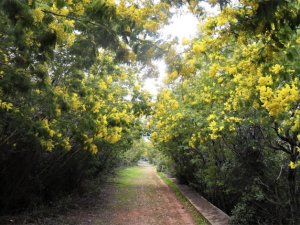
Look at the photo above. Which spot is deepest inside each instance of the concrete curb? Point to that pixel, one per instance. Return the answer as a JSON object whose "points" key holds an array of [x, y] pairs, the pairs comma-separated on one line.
{"points": [[210, 212]]}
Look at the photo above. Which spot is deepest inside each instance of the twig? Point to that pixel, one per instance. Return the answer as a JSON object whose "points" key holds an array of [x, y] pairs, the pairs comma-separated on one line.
{"points": [[75, 18], [279, 175]]}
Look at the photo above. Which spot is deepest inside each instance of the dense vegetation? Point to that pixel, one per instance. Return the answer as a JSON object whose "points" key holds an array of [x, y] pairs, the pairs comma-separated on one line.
{"points": [[70, 97], [227, 123], [230, 115]]}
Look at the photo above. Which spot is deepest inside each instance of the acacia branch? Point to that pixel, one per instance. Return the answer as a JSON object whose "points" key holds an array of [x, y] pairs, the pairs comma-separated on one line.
{"points": [[9, 137], [280, 148], [286, 139], [75, 18], [81, 20]]}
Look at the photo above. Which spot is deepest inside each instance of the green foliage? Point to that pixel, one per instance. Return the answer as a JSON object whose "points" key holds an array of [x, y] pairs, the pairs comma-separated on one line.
{"points": [[70, 96], [228, 117], [162, 162], [137, 151], [71, 103]]}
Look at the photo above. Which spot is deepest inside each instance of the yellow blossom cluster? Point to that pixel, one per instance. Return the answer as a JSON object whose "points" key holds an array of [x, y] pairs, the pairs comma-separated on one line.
{"points": [[5, 105], [45, 125], [60, 31], [139, 14], [281, 99], [294, 165], [47, 144], [165, 117], [38, 15], [61, 25], [172, 76], [114, 135], [276, 69], [89, 145], [214, 127], [199, 47]]}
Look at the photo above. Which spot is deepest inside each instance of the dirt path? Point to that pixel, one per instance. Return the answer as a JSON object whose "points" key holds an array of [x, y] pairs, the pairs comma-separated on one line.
{"points": [[137, 196], [143, 199]]}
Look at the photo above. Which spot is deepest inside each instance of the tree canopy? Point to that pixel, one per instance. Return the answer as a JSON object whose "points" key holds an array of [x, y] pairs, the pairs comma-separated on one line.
{"points": [[228, 122], [232, 93]]}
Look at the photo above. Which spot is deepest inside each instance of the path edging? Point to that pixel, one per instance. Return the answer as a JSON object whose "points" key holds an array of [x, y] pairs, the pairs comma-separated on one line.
{"points": [[218, 218]]}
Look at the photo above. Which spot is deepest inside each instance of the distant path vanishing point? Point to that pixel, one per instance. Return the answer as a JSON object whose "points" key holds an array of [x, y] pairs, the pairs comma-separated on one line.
{"points": [[143, 199]]}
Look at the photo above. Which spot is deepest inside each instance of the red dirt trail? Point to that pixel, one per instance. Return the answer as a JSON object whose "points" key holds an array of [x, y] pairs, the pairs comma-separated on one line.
{"points": [[150, 202], [144, 200]]}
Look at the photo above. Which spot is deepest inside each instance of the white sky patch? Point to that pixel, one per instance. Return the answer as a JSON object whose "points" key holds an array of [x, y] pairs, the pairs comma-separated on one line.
{"points": [[183, 25], [210, 11]]}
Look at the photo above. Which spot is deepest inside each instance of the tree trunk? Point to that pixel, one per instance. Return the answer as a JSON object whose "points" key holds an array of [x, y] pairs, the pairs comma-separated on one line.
{"points": [[293, 191]]}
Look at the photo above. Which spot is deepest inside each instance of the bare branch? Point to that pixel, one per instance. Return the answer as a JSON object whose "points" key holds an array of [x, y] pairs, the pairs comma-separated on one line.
{"points": [[280, 148]]}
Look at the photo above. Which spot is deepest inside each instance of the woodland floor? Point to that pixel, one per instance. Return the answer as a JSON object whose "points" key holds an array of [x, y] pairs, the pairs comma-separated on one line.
{"points": [[137, 196]]}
